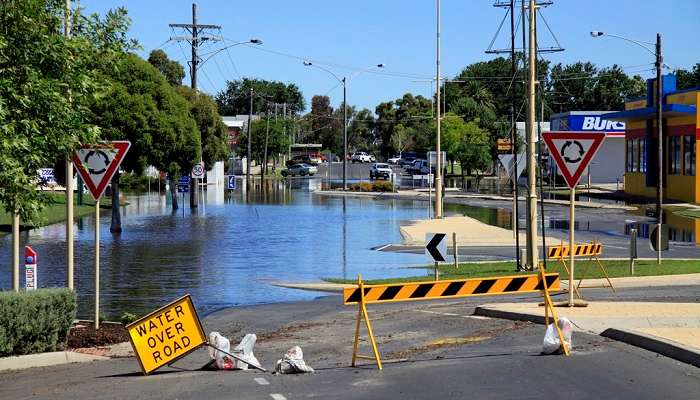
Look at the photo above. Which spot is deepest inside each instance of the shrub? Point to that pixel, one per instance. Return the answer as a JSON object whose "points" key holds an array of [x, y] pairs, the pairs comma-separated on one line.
{"points": [[35, 321], [128, 318], [383, 186]]}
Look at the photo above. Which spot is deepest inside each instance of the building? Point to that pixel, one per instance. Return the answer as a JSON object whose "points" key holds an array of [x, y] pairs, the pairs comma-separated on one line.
{"points": [[681, 132], [607, 166]]}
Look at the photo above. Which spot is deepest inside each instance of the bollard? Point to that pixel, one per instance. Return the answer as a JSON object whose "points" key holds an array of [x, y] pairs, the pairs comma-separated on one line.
{"points": [[633, 249], [455, 249]]}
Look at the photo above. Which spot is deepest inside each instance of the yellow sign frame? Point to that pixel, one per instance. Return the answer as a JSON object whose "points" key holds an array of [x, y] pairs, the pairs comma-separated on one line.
{"points": [[196, 342]]}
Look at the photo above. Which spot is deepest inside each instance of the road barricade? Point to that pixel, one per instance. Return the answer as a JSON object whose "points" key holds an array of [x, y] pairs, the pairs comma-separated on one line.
{"points": [[362, 295], [590, 250]]}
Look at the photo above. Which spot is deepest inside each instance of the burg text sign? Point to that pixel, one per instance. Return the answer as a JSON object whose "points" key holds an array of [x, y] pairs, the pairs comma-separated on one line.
{"points": [[166, 334]]}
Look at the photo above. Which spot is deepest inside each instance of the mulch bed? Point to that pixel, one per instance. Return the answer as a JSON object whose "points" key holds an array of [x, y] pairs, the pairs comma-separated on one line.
{"points": [[83, 334]]}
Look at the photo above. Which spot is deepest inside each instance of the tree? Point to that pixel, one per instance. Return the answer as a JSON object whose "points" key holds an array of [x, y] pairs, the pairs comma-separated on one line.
{"points": [[45, 85], [212, 130], [688, 79], [172, 70], [321, 124], [277, 135], [235, 98], [473, 150], [412, 116]]}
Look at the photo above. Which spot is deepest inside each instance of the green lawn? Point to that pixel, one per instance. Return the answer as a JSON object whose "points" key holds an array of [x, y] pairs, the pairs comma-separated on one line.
{"points": [[689, 213], [615, 269], [56, 212]]}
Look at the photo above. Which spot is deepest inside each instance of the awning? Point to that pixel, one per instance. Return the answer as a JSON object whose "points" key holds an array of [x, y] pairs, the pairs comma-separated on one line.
{"points": [[668, 110]]}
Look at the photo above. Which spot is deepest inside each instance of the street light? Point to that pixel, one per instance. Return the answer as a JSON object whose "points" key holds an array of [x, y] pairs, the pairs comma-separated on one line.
{"points": [[659, 122], [217, 51], [343, 82]]}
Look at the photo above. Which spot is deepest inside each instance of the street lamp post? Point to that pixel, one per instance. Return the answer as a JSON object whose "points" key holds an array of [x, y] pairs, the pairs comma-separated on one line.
{"points": [[658, 62], [343, 82]]}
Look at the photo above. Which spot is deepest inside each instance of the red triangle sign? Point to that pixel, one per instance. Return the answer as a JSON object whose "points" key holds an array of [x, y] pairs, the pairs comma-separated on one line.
{"points": [[573, 151], [97, 164]]}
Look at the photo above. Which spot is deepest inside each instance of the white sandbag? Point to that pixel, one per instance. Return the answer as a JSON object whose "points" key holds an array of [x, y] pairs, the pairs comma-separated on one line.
{"points": [[551, 343], [218, 353], [293, 362], [244, 350]]}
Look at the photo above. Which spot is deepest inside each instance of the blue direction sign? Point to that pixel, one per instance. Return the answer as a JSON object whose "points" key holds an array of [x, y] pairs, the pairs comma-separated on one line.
{"points": [[231, 182], [184, 180], [183, 188]]}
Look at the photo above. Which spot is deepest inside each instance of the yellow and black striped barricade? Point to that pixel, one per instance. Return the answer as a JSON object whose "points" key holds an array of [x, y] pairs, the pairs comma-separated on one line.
{"points": [[433, 290], [590, 250]]}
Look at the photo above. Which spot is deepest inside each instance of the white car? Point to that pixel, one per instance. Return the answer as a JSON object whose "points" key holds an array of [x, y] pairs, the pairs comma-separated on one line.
{"points": [[380, 170], [394, 160], [361, 157]]}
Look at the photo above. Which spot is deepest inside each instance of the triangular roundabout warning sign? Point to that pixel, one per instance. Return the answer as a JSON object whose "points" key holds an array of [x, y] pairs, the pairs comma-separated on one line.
{"points": [[97, 164], [573, 151]]}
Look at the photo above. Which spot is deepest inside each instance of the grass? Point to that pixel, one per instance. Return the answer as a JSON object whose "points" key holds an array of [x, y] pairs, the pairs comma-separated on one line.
{"points": [[615, 269], [689, 213], [56, 212]]}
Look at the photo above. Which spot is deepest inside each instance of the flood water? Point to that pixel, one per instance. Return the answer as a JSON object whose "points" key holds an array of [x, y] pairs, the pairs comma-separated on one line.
{"points": [[226, 252], [223, 253]]}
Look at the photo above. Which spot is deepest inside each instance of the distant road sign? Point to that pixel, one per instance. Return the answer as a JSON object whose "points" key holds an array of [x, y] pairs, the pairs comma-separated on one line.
{"points": [[504, 145], [573, 151], [231, 182], [97, 164], [184, 180], [198, 170], [183, 188], [166, 334], [507, 160], [436, 247]]}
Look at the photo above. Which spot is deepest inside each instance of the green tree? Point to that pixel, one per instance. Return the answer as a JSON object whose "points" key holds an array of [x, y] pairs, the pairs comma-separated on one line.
{"points": [[45, 86], [686, 79], [235, 98], [171, 69], [214, 134], [276, 132], [474, 150]]}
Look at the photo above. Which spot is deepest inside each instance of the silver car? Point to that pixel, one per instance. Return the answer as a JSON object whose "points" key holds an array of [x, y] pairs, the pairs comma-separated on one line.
{"points": [[300, 169]]}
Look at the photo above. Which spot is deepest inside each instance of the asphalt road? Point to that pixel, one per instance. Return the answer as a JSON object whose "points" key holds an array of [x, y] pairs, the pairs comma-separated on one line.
{"points": [[445, 352]]}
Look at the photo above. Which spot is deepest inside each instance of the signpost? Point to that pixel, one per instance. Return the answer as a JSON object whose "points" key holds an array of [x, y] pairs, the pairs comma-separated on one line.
{"points": [[436, 249], [572, 151], [508, 162], [30, 270], [231, 182], [97, 164]]}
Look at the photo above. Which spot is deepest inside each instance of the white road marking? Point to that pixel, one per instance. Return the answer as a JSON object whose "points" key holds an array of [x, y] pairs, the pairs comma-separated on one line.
{"points": [[262, 381], [277, 396], [453, 314]]}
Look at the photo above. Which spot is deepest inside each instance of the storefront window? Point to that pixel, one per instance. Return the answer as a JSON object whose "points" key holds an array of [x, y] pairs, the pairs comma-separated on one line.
{"points": [[689, 155], [635, 155], [642, 155], [674, 151], [630, 158]]}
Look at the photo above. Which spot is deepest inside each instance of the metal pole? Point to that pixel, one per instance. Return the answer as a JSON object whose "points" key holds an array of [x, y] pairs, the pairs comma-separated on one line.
{"points": [[572, 246], [531, 159], [455, 250], [250, 118], [15, 251], [193, 78], [345, 135], [438, 164], [69, 179], [97, 264], [659, 123], [514, 136]]}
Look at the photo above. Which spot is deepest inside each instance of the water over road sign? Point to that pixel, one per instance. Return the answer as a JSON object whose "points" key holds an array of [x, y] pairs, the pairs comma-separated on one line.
{"points": [[97, 164], [166, 334], [573, 151], [436, 247]]}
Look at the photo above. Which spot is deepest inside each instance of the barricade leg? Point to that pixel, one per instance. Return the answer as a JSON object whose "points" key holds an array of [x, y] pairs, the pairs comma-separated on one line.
{"points": [[362, 314], [548, 304]]}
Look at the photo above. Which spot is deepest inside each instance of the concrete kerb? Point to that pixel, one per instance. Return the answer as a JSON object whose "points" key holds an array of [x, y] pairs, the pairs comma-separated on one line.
{"points": [[46, 360], [658, 345]]}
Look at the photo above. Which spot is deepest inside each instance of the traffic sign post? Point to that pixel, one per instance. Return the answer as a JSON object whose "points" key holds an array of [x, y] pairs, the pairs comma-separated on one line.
{"points": [[96, 165], [572, 152], [436, 249]]}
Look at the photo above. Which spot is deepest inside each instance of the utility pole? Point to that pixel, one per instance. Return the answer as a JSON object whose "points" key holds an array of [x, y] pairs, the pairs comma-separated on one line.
{"points": [[514, 136], [195, 40], [531, 139], [345, 135], [659, 124], [69, 177], [250, 121], [438, 164]]}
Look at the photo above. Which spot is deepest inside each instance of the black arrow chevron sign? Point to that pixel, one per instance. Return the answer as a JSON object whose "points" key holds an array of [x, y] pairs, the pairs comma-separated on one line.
{"points": [[436, 248]]}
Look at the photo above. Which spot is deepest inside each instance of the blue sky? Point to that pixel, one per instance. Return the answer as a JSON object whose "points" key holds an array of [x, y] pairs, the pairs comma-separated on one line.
{"points": [[401, 34]]}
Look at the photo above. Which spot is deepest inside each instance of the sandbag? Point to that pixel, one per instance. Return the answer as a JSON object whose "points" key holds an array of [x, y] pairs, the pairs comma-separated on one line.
{"points": [[551, 343], [293, 362]]}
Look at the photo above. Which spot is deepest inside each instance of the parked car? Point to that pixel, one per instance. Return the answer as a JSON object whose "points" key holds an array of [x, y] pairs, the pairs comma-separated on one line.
{"points": [[407, 162], [300, 169], [361, 157], [380, 170], [394, 160], [303, 159]]}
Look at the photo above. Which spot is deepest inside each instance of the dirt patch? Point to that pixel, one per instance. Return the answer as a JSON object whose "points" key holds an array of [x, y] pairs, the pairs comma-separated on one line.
{"points": [[83, 335], [288, 332]]}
